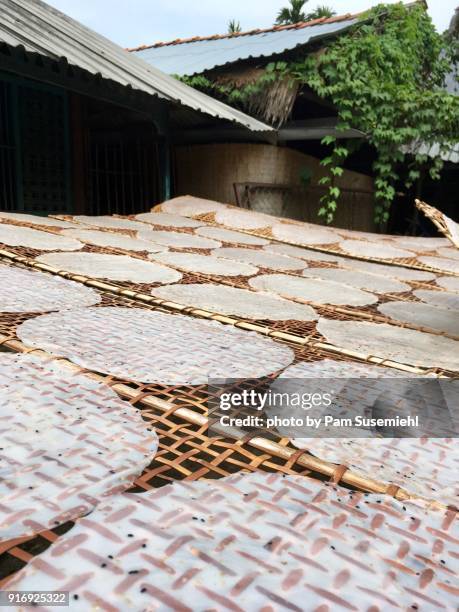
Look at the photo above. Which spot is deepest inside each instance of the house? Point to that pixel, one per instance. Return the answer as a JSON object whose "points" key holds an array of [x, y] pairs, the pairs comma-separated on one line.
{"points": [[85, 126], [280, 179]]}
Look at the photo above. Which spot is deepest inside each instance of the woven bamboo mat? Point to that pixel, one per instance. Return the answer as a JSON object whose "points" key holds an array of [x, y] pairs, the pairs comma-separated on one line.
{"points": [[439, 220], [367, 313], [266, 232], [180, 416], [186, 452], [302, 334]]}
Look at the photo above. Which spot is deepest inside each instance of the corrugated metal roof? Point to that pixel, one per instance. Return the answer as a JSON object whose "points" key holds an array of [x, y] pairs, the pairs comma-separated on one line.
{"points": [[451, 154], [193, 56], [42, 29]]}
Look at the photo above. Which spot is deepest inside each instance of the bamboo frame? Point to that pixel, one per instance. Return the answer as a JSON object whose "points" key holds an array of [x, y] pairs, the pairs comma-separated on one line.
{"points": [[266, 232], [303, 341], [437, 219], [330, 470]]}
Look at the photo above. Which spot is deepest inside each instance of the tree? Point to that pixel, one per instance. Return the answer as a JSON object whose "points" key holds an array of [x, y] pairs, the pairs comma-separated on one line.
{"points": [[319, 12], [292, 14], [234, 27]]}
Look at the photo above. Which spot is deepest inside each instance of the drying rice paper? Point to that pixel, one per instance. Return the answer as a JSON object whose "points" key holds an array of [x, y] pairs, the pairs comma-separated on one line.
{"points": [[189, 206], [35, 219], [236, 302], [154, 347], [404, 274], [66, 443], [422, 315], [426, 467], [449, 253], [239, 218], [205, 264], [16, 235], [30, 291], [114, 240], [441, 263], [451, 283], [359, 279], [362, 248], [260, 258], [300, 234], [108, 222], [418, 243], [111, 267], [167, 220], [312, 290], [406, 346], [226, 235], [178, 240], [253, 542], [443, 299], [301, 253]]}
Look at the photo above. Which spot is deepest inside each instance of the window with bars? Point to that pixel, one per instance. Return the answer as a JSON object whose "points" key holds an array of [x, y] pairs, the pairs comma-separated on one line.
{"points": [[8, 195], [34, 147]]}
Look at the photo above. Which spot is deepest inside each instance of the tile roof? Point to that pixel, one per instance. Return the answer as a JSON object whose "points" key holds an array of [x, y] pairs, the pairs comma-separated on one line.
{"points": [[279, 28]]}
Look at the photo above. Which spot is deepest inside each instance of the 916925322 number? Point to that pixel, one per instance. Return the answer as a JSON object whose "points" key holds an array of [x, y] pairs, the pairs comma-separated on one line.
{"points": [[34, 598]]}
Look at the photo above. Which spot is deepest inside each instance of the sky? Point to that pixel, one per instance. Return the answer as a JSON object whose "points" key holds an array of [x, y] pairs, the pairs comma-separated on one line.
{"points": [[134, 22]]}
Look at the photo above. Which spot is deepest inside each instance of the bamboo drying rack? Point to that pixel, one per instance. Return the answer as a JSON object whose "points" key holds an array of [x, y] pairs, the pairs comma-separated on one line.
{"points": [[437, 219], [333, 249], [179, 416]]}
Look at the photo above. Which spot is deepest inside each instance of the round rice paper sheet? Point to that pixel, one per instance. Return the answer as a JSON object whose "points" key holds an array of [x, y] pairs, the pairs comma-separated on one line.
{"points": [[154, 347], [260, 258], [451, 283], [226, 235], [253, 542], [403, 274], [422, 315], [359, 279], [449, 252], [350, 390], [406, 346], [36, 219], [178, 240], [167, 220], [442, 299], [189, 206], [441, 263], [301, 253], [66, 443], [356, 234], [205, 264], [108, 222], [362, 248], [304, 235], [312, 290], [15, 235], [112, 267], [114, 240], [30, 291], [419, 244], [238, 218], [426, 467], [236, 302]]}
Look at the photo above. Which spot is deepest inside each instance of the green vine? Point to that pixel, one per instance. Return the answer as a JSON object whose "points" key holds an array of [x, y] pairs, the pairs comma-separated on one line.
{"points": [[385, 77]]}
